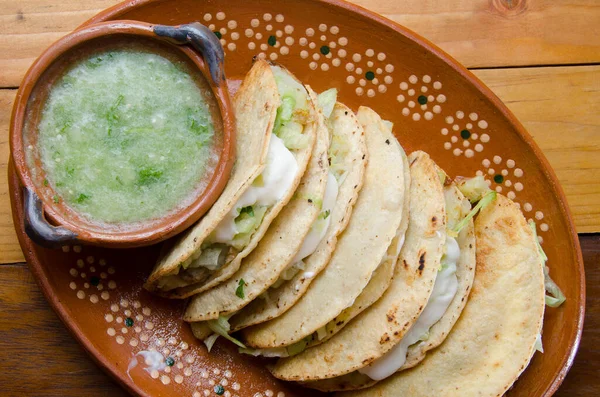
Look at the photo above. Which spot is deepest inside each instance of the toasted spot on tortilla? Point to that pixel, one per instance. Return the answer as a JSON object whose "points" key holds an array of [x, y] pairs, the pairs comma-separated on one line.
{"points": [[384, 338]]}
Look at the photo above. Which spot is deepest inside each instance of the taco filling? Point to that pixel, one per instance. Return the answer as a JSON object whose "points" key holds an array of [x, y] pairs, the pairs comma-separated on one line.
{"points": [[336, 153]]}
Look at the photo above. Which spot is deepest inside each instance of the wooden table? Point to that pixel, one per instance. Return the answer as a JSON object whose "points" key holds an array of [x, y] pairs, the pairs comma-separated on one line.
{"points": [[541, 57]]}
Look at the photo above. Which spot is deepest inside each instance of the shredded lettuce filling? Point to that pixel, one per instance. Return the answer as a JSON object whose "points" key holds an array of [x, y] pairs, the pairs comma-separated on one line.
{"points": [[297, 347], [273, 352], [554, 295], [389, 125], [339, 148], [483, 202], [246, 223], [221, 327], [292, 114], [326, 101], [473, 188], [210, 341], [287, 351], [289, 273], [538, 344], [338, 145], [442, 176]]}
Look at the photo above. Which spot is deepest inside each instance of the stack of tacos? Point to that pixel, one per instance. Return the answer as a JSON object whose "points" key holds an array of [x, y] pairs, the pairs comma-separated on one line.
{"points": [[357, 266]]}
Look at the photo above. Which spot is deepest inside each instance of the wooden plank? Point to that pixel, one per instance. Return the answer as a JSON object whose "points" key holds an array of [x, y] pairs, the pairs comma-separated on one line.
{"points": [[481, 33], [37, 344], [10, 251], [582, 380], [42, 357], [559, 107], [27, 27], [487, 33]]}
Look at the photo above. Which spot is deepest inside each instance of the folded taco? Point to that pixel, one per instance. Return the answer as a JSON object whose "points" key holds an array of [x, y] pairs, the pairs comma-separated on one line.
{"points": [[347, 156], [498, 331], [446, 302], [375, 225], [379, 328], [279, 246], [276, 127], [378, 284]]}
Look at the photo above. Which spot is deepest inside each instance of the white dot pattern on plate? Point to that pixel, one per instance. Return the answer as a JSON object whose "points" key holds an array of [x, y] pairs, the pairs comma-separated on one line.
{"points": [[324, 46], [371, 70], [421, 91], [506, 178], [465, 137]]}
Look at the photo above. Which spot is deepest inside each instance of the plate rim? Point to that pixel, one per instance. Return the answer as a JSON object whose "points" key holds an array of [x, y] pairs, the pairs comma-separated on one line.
{"points": [[113, 12]]}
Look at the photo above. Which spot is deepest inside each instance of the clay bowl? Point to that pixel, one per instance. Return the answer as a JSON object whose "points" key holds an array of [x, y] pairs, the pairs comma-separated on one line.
{"points": [[373, 62], [199, 52]]}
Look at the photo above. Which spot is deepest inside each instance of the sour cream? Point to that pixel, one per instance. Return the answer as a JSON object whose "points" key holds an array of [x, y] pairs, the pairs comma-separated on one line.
{"points": [[319, 227], [444, 290], [278, 176]]}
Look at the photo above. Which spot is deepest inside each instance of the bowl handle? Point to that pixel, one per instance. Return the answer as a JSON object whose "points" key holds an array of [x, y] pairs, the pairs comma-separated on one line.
{"points": [[203, 40], [37, 227]]}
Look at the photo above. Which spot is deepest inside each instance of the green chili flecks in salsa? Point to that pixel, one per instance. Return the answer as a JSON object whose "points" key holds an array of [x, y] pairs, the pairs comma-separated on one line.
{"points": [[125, 136]]}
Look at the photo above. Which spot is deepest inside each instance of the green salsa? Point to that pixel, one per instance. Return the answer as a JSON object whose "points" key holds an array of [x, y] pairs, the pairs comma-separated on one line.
{"points": [[125, 136]]}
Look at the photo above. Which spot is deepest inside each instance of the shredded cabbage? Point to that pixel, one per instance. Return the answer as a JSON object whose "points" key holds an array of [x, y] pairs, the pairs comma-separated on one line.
{"points": [[246, 224], [423, 337], [288, 351], [322, 332], [292, 114], [442, 176], [389, 125], [456, 208], [291, 134], [339, 148], [212, 257], [326, 101], [210, 341], [554, 295], [485, 200], [312, 199], [538, 344], [221, 326], [297, 347], [289, 273], [473, 188], [186, 262], [287, 85], [272, 352], [286, 110]]}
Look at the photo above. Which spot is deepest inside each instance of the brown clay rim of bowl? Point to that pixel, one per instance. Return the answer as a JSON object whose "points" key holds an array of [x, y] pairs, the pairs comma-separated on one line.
{"points": [[145, 232], [114, 13]]}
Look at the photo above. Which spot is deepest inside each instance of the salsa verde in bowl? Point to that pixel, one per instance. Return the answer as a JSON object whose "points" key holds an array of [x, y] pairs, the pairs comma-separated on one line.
{"points": [[122, 134]]}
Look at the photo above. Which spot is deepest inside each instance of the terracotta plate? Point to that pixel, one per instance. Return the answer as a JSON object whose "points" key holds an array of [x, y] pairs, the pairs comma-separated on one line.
{"points": [[435, 104]]}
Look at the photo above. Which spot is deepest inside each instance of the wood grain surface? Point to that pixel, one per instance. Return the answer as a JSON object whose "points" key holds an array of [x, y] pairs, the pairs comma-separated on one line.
{"points": [[542, 58], [481, 33]]}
